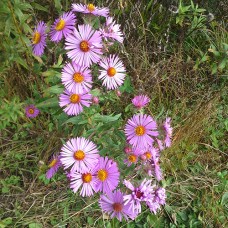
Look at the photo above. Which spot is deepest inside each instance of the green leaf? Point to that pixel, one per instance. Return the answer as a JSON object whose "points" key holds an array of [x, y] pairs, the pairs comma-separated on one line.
{"points": [[105, 118], [224, 200], [35, 225], [49, 103], [39, 7]]}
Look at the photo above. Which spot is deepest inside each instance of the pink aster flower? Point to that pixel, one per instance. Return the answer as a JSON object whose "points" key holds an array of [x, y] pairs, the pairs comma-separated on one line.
{"points": [[113, 72], [80, 153], [113, 204], [168, 132], [39, 38], [31, 111], [140, 129], [85, 45], [86, 180], [74, 102], [77, 79], [155, 163], [53, 166], [91, 9], [160, 144], [62, 26], [112, 31], [140, 101], [132, 157], [143, 193], [107, 175]]}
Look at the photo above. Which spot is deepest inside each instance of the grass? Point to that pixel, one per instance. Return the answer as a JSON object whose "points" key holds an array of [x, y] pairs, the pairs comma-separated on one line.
{"points": [[195, 167]]}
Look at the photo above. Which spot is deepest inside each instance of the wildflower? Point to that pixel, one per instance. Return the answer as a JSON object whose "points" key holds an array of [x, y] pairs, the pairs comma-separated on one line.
{"points": [[143, 193], [85, 45], [91, 9], [95, 100], [112, 31], [113, 72], [132, 157], [74, 102], [113, 204], [160, 144], [140, 129], [80, 154], [107, 175], [140, 101], [168, 132], [31, 111], [53, 166], [77, 79], [155, 163], [39, 39], [62, 26], [86, 180]]}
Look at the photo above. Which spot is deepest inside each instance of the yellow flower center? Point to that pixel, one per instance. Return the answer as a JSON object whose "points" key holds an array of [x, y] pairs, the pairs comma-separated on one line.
{"points": [[60, 25], [102, 175], [140, 130], [117, 207], [148, 155], [31, 111], [53, 162], [79, 155], [36, 38], [74, 98], [84, 46], [111, 71], [78, 77], [90, 7], [132, 158], [86, 177]]}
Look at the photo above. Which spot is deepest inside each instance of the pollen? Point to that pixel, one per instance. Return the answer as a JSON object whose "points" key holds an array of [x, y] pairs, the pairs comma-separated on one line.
{"points": [[53, 162], [79, 155], [74, 98], [86, 177], [78, 77], [148, 155], [138, 194], [36, 38], [90, 7], [84, 46], [111, 71], [117, 207], [60, 25], [102, 175], [31, 111], [140, 130], [132, 158]]}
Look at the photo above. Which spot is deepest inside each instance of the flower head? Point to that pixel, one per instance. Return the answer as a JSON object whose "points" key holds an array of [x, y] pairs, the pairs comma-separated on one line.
{"points": [[155, 163], [91, 9], [113, 72], [132, 157], [62, 26], [168, 132], [84, 179], [39, 38], [31, 111], [74, 102], [107, 175], [80, 154], [140, 129], [77, 79], [140, 101], [53, 166], [113, 204], [84, 45]]}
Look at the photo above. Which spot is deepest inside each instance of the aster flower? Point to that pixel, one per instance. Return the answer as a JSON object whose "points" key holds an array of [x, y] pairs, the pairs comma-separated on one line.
{"points": [[107, 175], [155, 163], [86, 180], [39, 39], [112, 31], [160, 144], [31, 111], [77, 79], [91, 9], [62, 26], [74, 102], [140, 101], [168, 132], [140, 129], [80, 154], [113, 72], [85, 45], [113, 204], [53, 166], [132, 157], [143, 193]]}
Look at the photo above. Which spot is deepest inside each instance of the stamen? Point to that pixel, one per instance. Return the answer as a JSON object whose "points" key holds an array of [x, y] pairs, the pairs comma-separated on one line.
{"points": [[31, 111], [140, 130], [102, 175], [132, 158], [86, 177], [74, 98], [90, 7], [78, 77], [36, 38], [60, 25], [84, 46], [111, 71], [53, 162], [117, 207], [148, 155], [79, 155]]}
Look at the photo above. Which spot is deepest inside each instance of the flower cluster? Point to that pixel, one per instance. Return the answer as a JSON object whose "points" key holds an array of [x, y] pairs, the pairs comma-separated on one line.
{"points": [[89, 172]]}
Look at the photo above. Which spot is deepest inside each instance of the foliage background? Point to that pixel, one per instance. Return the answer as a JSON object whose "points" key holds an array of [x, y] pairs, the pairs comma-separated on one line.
{"points": [[175, 52]]}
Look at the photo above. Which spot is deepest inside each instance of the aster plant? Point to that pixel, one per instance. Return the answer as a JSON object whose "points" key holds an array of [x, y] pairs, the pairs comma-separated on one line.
{"points": [[90, 73]]}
